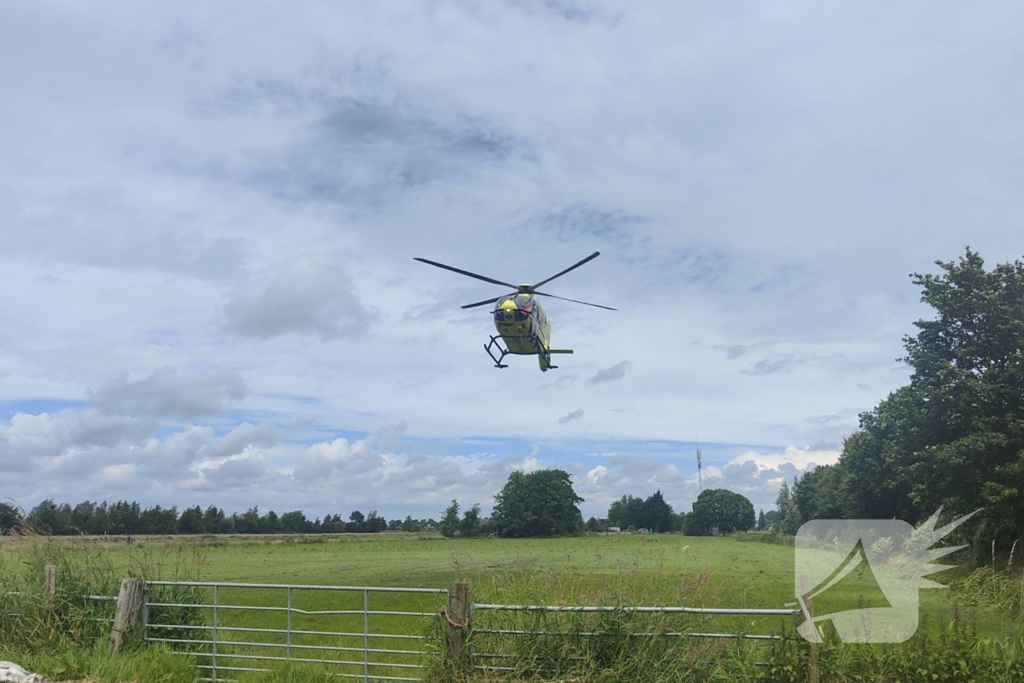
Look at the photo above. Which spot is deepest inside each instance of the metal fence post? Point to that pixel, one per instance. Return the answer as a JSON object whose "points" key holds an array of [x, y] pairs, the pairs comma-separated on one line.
{"points": [[288, 645], [213, 662], [805, 591], [145, 611], [366, 635]]}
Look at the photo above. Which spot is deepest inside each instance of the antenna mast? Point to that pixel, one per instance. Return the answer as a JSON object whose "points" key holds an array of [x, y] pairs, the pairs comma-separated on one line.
{"points": [[700, 486]]}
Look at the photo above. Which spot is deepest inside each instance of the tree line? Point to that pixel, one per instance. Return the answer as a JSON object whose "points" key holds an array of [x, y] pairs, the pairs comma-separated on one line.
{"points": [[543, 503], [129, 518], [540, 503], [954, 436], [715, 511]]}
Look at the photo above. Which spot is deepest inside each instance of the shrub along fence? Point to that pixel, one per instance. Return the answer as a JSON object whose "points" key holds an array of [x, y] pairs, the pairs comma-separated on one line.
{"points": [[567, 640]]}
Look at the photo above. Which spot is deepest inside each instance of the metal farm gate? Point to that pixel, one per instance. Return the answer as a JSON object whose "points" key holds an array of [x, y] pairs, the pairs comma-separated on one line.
{"points": [[361, 632]]}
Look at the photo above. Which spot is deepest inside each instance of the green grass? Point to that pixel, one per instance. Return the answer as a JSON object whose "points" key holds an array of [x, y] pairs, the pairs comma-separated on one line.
{"points": [[152, 665], [598, 570]]}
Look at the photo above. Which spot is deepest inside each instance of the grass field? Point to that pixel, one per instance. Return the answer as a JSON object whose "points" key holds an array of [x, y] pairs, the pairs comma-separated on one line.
{"points": [[592, 570]]}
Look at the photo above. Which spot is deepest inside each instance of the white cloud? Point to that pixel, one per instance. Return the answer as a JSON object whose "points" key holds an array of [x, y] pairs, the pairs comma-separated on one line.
{"points": [[323, 459], [218, 209], [569, 417], [164, 393], [615, 372], [241, 437], [236, 470], [29, 436], [118, 477], [93, 428], [757, 476], [801, 458], [307, 296]]}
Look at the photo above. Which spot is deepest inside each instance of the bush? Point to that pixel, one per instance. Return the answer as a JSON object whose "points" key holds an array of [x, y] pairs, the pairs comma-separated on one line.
{"points": [[31, 621], [988, 588]]}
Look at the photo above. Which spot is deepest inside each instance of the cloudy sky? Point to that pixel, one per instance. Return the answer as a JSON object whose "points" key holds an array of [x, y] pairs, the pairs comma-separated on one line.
{"points": [[209, 212]]}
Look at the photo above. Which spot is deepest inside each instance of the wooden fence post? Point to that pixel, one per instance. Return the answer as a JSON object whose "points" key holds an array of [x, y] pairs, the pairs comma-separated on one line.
{"points": [[50, 584], [805, 592], [129, 604], [458, 620]]}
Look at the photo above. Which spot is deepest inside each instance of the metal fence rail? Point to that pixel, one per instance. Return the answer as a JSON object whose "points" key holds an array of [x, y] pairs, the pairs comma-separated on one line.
{"points": [[507, 652], [236, 627], [94, 598]]}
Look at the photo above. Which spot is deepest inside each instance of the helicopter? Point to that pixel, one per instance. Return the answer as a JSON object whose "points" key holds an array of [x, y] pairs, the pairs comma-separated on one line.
{"points": [[522, 326]]}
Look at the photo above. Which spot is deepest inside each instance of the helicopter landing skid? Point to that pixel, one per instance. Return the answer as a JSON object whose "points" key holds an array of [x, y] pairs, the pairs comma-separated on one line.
{"points": [[495, 345], [541, 351], [502, 350]]}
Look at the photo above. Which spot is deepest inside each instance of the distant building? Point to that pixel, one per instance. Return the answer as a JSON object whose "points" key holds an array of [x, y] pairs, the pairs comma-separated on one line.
{"points": [[615, 530]]}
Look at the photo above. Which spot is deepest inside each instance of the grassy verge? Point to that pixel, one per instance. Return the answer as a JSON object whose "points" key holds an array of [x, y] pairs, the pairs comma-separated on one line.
{"points": [[93, 662]]}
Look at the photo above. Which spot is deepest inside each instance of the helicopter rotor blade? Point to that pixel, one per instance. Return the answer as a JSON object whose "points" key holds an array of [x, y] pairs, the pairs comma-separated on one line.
{"points": [[466, 273], [608, 308], [481, 303], [573, 267]]}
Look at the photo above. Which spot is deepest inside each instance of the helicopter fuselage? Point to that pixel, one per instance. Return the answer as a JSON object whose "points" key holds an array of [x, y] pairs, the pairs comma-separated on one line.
{"points": [[519, 318], [523, 326]]}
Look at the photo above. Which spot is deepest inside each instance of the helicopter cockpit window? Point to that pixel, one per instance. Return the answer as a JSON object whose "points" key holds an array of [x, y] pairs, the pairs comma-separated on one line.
{"points": [[523, 301]]}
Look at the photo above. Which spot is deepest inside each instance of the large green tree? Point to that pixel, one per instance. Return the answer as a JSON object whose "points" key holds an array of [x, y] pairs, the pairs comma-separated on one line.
{"points": [[294, 522], [469, 527], [541, 503], [816, 496], [954, 436], [720, 509], [969, 383], [653, 513], [787, 517], [191, 520], [626, 512], [10, 518], [657, 514], [450, 520], [51, 518]]}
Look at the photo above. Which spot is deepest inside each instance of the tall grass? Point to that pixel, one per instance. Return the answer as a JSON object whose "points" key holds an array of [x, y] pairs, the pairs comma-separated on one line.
{"points": [[1000, 590], [95, 663], [956, 654], [76, 617], [607, 647], [31, 620], [614, 645], [764, 537]]}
